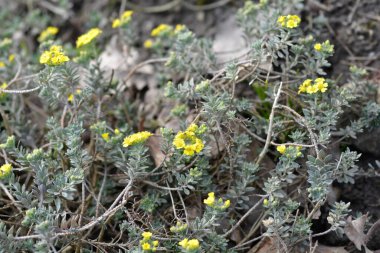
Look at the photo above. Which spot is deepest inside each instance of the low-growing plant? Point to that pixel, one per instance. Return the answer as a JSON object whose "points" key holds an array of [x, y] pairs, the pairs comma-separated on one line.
{"points": [[82, 171]]}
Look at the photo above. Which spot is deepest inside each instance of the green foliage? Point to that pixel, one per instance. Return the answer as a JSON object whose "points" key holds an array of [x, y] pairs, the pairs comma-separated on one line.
{"points": [[84, 176]]}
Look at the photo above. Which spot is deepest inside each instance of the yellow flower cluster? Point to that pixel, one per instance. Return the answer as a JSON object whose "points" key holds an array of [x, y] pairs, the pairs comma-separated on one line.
{"points": [[179, 227], [148, 43], [320, 84], [5, 170], [106, 136], [289, 21], [54, 57], [47, 33], [86, 38], [282, 150], [123, 20], [136, 138], [11, 58], [179, 28], [220, 205], [192, 244], [2, 64], [188, 141], [146, 235], [161, 29], [325, 47], [318, 47], [70, 98], [147, 244]]}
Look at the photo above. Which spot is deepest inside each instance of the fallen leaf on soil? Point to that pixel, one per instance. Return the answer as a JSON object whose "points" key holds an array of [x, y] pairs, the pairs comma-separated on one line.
{"points": [[236, 236], [154, 144], [354, 231]]}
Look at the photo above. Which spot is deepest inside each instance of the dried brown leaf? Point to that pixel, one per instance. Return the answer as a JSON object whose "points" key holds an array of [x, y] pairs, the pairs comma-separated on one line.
{"points": [[266, 245], [154, 144], [354, 230]]}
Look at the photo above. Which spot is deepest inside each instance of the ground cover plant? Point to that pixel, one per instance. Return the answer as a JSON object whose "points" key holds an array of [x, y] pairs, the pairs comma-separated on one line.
{"points": [[124, 129]]}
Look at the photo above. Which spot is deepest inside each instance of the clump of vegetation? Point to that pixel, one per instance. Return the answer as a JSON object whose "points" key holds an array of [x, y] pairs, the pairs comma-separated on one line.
{"points": [[82, 170]]}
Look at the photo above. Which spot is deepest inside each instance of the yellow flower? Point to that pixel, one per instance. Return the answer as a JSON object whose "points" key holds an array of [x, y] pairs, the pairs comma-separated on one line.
{"points": [[293, 21], [106, 136], [11, 58], [321, 84], [2, 64], [312, 89], [325, 47], [155, 243], [5, 170], [124, 19], [161, 29], [188, 141], [148, 43], [192, 128], [145, 246], [281, 149], [179, 28], [117, 131], [116, 23], [184, 243], [289, 21], [304, 85], [86, 38], [210, 201], [70, 98], [146, 235], [282, 20], [136, 138], [265, 202], [187, 244], [319, 80], [193, 244], [318, 47], [47, 33], [126, 15], [227, 204], [54, 57], [219, 205]]}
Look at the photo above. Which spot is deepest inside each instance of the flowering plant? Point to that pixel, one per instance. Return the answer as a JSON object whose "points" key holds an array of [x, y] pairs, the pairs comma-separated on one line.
{"points": [[210, 156]]}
